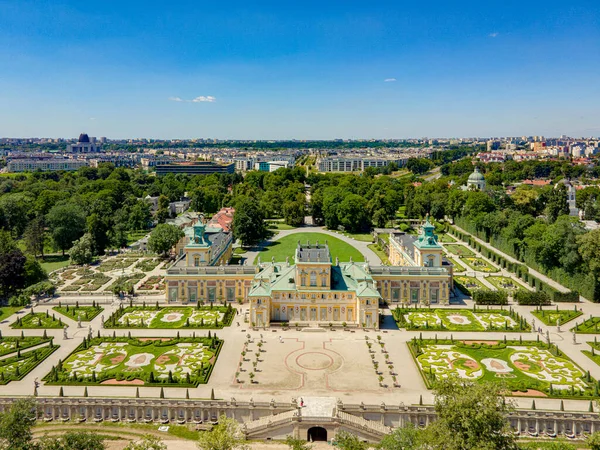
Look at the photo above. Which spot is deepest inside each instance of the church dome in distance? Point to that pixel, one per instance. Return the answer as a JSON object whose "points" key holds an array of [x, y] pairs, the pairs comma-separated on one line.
{"points": [[84, 138], [476, 176]]}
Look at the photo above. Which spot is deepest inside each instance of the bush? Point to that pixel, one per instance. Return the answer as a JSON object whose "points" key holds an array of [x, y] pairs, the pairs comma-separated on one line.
{"points": [[532, 298], [488, 297]]}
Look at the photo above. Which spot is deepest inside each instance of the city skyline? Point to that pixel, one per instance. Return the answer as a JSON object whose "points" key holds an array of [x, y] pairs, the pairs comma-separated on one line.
{"points": [[312, 71]]}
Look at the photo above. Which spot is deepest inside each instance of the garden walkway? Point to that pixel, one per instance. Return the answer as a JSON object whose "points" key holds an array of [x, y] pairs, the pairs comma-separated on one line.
{"points": [[533, 272]]}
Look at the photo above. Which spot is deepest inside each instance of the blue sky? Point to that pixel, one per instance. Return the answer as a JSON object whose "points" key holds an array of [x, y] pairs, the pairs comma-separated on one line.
{"points": [[304, 70]]}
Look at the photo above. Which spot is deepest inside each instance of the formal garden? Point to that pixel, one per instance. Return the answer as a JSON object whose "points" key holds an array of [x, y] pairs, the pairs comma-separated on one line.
{"points": [[20, 355], [171, 317], [468, 283], [556, 316], [479, 264], [459, 250], [83, 313], [589, 326], [459, 319], [504, 283], [88, 282], [119, 361], [531, 368], [38, 320], [458, 267]]}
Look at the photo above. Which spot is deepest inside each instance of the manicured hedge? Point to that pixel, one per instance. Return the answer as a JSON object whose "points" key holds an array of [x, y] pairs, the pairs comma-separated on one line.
{"points": [[523, 297], [489, 297]]}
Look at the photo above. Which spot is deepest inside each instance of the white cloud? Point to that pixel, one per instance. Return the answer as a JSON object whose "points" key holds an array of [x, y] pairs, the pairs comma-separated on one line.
{"points": [[493, 35], [389, 80], [202, 98], [92, 118]]}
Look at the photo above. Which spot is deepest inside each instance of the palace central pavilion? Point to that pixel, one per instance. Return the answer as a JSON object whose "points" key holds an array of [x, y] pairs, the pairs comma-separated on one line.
{"points": [[314, 289]]}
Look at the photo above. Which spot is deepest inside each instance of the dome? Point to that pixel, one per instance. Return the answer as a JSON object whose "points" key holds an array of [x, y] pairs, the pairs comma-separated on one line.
{"points": [[476, 176], [84, 138]]}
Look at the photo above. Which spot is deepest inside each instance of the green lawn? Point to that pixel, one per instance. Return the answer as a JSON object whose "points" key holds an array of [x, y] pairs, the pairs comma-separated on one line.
{"points": [[446, 238], [286, 247], [382, 255], [134, 236], [364, 237], [470, 282], [523, 366], [186, 361], [550, 316], [51, 263], [590, 326], [86, 313], [459, 250], [458, 267], [16, 364], [279, 226], [7, 311], [38, 320]]}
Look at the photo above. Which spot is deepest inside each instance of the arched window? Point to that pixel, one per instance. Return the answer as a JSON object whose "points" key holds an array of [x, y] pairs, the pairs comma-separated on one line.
{"points": [[196, 261], [430, 261], [313, 278]]}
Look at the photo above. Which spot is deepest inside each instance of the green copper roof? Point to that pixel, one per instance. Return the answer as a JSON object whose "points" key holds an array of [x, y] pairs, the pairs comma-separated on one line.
{"points": [[427, 239]]}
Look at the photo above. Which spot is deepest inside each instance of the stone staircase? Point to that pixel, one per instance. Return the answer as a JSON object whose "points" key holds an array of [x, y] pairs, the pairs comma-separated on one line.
{"points": [[263, 423], [370, 427]]}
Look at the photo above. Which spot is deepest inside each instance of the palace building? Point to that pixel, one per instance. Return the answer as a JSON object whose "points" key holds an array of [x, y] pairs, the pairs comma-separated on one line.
{"points": [[313, 288]]}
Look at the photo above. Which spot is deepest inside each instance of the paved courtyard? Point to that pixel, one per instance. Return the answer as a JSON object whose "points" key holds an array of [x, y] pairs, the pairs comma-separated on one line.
{"points": [[300, 363]]}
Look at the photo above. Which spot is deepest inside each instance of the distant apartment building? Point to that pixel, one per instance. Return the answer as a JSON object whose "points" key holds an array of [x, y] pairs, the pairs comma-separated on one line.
{"points": [[84, 145], [243, 164], [194, 168], [342, 164], [44, 164]]}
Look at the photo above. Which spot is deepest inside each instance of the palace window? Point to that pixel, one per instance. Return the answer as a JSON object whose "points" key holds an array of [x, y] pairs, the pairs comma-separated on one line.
{"points": [[313, 278], [196, 261]]}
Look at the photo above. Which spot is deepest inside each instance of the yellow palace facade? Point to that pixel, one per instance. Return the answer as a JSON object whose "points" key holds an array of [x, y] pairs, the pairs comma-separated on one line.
{"points": [[314, 289]]}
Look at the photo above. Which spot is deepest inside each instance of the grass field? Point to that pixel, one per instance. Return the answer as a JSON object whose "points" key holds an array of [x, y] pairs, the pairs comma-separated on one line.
{"points": [[590, 326], [445, 238], [147, 361], [134, 236], [550, 316], [38, 320], [279, 226], [51, 263], [524, 366], [7, 311], [86, 313], [458, 267], [382, 255], [364, 237], [286, 247], [459, 250]]}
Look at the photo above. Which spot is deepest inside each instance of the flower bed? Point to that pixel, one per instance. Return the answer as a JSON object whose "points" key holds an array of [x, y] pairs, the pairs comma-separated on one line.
{"points": [[38, 320], [522, 365], [550, 316], [149, 361], [171, 317], [86, 313]]}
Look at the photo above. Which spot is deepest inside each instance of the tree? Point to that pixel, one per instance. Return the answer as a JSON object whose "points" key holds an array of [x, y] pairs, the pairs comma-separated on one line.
{"points": [[353, 214], [72, 440], [98, 228], [348, 441], [593, 441], [139, 216], [163, 238], [248, 222], [227, 435], [16, 424], [297, 444], [12, 266], [34, 236], [147, 442], [81, 252], [294, 212], [556, 204], [33, 271], [458, 428], [67, 224], [419, 166], [405, 438]]}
